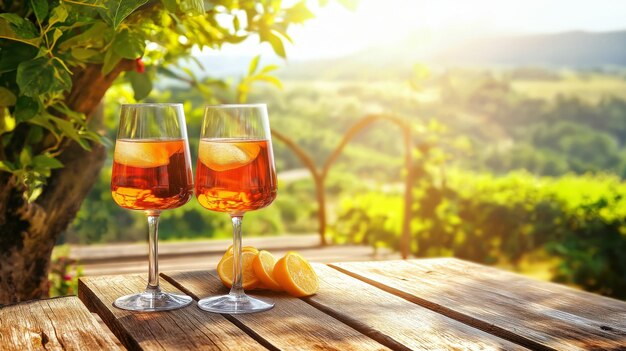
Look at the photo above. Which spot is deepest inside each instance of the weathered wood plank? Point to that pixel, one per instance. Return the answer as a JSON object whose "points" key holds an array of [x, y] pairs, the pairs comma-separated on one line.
{"points": [[392, 320], [54, 324], [536, 314], [188, 328], [291, 325]]}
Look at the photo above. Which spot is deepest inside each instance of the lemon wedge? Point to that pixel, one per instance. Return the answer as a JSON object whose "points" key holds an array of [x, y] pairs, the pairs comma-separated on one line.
{"points": [[224, 156], [141, 154]]}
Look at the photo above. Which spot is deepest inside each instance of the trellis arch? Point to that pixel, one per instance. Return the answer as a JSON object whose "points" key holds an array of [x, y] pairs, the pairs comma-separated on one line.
{"points": [[319, 176]]}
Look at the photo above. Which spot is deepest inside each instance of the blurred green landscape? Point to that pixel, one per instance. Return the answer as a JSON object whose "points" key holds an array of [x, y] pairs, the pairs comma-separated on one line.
{"points": [[518, 165]]}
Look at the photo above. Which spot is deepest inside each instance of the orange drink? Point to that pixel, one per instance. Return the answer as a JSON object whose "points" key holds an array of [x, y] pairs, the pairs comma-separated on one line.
{"points": [[151, 174], [235, 175]]}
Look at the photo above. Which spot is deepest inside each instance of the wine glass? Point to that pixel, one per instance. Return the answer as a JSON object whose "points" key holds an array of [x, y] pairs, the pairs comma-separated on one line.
{"points": [[235, 174], [152, 173]]}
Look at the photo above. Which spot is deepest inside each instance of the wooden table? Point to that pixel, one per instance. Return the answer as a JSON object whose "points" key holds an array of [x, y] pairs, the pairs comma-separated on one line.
{"points": [[433, 304]]}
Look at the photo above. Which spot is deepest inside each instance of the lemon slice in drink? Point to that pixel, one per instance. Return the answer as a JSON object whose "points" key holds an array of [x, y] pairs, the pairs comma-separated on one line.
{"points": [[222, 156], [141, 154]]}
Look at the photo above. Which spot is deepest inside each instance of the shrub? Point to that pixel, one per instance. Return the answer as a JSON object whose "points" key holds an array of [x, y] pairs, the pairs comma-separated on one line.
{"points": [[575, 221]]}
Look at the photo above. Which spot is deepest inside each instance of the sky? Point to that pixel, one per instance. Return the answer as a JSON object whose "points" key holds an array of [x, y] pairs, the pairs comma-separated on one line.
{"points": [[337, 31]]}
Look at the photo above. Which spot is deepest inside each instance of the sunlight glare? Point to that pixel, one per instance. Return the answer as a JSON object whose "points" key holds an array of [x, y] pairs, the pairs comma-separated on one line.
{"points": [[337, 31]]}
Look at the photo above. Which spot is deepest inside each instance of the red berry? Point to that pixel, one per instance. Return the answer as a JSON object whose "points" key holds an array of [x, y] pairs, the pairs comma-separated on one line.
{"points": [[140, 67]]}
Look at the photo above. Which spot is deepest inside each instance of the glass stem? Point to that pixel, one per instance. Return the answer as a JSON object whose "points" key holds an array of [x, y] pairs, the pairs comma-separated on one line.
{"points": [[153, 246], [237, 288]]}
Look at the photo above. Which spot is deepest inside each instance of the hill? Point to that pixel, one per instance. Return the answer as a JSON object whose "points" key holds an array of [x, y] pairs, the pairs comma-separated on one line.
{"points": [[562, 49], [570, 49]]}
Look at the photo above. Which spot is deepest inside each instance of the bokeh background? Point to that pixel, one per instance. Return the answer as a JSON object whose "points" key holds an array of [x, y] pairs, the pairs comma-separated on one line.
{"points": [[517, 114]]}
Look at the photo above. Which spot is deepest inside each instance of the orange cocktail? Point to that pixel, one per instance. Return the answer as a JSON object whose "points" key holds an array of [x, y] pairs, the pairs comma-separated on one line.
{"points": [[235, 175], [151, 174]]}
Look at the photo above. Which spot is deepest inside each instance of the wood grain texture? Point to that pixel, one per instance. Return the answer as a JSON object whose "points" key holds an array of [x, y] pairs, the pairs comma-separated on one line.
{"points": [[188, 328], [54, 324], [539, 315], [392, 320], [291, 325]]}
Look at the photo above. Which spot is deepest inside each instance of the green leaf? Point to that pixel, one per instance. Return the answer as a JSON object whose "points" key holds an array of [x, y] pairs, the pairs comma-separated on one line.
{"points": [[254, 64], [47, 162], [269, 68], [129, 45], [35, 135], [21, 26], [277, 43], [7, 98], [43, 120], [270, 79], [26, 108], [220, 83], [66, 127], [141, 83], [190, 74], [83, 54], [94, 37], [55, 36], [299, 13], [35, 77], [93, 136], [77, 117], [6, 166], [68, 130], [14, 54], [62, 78], [111, 59], [14, 27], [7, 121], [25, 157], [233, 39], [118, 10], [33, 194], [40, 7], [168, 73], [84, 144], [58, 15]]}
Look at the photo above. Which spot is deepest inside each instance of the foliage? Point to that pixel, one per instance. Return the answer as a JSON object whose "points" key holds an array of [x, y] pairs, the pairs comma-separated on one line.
{"points": [[64, 273], [45, 44], [509, 220]]}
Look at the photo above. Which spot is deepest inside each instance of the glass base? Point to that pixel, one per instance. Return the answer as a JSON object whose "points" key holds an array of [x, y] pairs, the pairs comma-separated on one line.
{"points": [[233, 304], [152, 301]]}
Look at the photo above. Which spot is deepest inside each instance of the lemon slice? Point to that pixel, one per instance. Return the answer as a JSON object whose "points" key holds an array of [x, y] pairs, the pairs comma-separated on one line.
{"points": [[295, 275], [141, 154], [222, 156], [263, 265], [229, 251], [225, 270]]}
